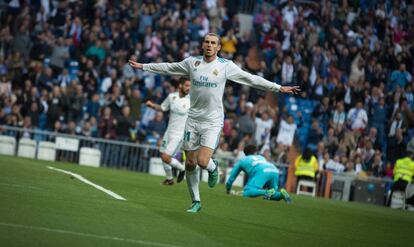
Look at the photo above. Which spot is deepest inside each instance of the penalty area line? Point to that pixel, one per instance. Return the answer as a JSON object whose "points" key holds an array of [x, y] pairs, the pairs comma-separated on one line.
{"points": [[89, 235], [84, 180]]}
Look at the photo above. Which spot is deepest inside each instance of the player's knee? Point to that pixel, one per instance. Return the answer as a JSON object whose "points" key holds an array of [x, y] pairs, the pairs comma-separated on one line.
{"points": [[203, 161], [166, 158], [190, 162]]}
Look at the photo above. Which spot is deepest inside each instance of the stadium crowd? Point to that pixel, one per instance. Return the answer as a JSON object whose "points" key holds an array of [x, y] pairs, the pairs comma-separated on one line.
{"points": [[63, 68]]}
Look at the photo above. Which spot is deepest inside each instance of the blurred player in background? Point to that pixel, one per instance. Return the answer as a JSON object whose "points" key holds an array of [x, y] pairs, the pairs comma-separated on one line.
{"points": [[261, 174], [178, 104]]}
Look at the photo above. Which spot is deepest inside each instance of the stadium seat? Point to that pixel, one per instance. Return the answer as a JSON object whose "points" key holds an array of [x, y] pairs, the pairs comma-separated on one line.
{"points": [[27, 148], [7, 145], [239, 180], [155, 167], [307, 184], [46, 151], [90, 157]]}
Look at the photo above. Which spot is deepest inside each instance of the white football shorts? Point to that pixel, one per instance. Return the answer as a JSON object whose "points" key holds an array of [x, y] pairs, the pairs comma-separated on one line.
{"points": [[197, 133], [171, 142]]}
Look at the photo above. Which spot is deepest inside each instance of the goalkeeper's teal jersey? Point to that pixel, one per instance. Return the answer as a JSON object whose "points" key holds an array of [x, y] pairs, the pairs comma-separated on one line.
{"points": [[249, 164], [208, 81]]}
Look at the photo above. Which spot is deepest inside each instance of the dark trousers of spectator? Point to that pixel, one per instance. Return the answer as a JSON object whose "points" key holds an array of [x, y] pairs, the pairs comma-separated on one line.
{"points": [[399, 185]]}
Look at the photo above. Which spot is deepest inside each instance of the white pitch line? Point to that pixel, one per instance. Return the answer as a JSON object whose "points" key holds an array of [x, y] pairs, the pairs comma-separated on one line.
{"points": [[90, 235], [82, 179]]}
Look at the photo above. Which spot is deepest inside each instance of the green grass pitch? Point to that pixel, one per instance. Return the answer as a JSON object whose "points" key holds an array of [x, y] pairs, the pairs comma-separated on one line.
{"points": [[41, 207]]}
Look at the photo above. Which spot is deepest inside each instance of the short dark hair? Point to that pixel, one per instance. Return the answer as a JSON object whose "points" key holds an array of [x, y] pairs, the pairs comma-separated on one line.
{"points": [[250, 149], [183, 80], [307, 154]]}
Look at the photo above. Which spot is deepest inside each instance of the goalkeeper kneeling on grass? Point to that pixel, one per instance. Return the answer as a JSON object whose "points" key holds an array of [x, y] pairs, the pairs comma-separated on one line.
{"points": [[261, 174]]}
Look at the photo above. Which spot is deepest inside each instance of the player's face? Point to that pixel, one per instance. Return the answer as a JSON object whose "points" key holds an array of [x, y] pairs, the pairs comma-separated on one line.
{"points": [[185, 87], [211, 46]]}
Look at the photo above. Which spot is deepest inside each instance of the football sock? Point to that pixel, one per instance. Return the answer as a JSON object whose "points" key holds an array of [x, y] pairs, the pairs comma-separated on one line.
{"points": [[211, 166], [168, 170], [193, 180], [176, 164]]}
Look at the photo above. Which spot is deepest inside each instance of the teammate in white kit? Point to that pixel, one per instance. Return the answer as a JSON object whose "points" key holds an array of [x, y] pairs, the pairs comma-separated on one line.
{"points": [[178, 104], [208, 75]]}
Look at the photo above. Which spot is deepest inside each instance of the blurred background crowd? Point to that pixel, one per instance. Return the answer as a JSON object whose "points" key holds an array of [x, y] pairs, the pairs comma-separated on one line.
{"points": [[63, 68]]}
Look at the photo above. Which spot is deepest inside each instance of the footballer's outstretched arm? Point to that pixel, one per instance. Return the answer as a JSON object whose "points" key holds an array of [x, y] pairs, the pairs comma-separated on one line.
{"points": [[234, 73], [180, 68], [153, 105], [165, 105], [234, 172]]}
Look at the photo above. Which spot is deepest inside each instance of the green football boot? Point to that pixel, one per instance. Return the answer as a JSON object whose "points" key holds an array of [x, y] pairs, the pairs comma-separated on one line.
{"points": [[194, 208], [269, 194], [286, 196]]}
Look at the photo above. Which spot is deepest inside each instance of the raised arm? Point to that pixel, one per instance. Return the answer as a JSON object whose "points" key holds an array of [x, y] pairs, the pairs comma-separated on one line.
{"points": [[234, 73], [180, 68], [233, 175], [165, 105], [153, 105]]}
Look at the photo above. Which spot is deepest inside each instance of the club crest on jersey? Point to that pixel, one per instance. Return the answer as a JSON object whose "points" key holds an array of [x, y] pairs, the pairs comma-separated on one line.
{"points": [[215, 72], [197, 63]]}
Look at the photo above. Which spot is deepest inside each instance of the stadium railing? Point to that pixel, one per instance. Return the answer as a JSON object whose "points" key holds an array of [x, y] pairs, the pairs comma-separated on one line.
{"points": [[68, 148]]}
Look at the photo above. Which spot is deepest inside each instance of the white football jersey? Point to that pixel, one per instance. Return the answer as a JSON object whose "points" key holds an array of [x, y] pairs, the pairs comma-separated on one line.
{"points": [[178, 107], [207, 83]]}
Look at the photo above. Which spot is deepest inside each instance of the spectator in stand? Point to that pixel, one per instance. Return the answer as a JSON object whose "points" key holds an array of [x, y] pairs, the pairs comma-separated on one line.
{"points": [[396, 147], [286, 132], [400, 77], [263, 127], [397, 123], [93, 106], [156, 127], [246, 123], [357, 117], [374, 139], [107, 124], [134, 102], [330, 141], [71, 128], [335, 165], [56, 106], [287, 71], [379, 118], [322, 113], [315, 135], [77, 101], [228, 44], [306, 166], [124, 123], [338, 116]]}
